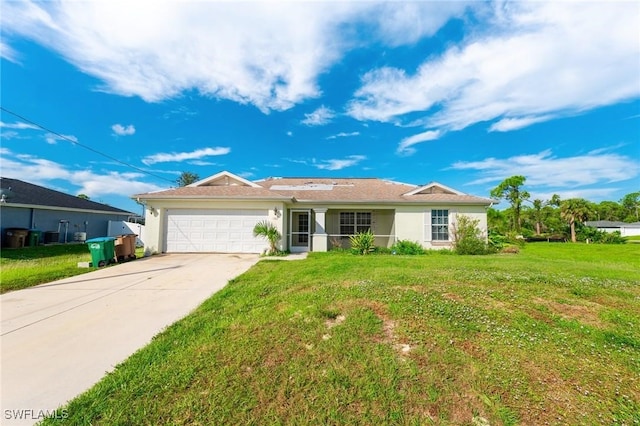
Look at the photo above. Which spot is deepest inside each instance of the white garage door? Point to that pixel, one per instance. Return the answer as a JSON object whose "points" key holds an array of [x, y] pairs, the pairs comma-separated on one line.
{"points": [[221, 231]]}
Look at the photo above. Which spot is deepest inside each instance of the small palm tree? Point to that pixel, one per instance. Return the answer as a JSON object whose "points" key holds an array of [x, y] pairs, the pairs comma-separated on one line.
{"points": [[574, 210], [267, 230]]}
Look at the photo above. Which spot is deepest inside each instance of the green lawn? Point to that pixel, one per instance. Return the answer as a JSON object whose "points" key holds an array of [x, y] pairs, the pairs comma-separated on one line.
{"points": [[548, 336], [29, 266]]}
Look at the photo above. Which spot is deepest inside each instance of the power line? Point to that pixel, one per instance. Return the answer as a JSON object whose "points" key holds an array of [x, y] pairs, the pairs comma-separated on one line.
{"points": [[82, 145]]}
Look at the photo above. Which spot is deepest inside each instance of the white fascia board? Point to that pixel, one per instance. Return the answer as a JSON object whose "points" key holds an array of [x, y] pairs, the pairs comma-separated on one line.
{"points": [[230, 175]]}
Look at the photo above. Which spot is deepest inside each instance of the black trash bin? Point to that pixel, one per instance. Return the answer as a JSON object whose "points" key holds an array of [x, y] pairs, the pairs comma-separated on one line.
{"points": [[34, 237]]}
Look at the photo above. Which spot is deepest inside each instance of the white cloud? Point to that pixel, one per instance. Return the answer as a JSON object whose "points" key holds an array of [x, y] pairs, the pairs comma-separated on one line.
{"points": [[40, 171], [532, 61], [202, 163], [509, 124], [406, 144], [121, 130], [547, 170], [289, 133], [182, 156], [18, 125], [53, 139], [6, 52], [338, 164], [401, 23], [261, 53], [319, 117], [11, 134], [268, 54], [180, 113], [343, 135]]}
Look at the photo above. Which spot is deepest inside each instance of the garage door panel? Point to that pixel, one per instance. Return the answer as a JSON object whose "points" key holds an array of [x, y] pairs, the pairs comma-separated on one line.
{"points": [[226, 231]]}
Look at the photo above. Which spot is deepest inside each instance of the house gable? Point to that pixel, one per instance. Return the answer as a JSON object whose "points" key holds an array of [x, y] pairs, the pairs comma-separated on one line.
{"points": [[224, 178], [434, 188]]}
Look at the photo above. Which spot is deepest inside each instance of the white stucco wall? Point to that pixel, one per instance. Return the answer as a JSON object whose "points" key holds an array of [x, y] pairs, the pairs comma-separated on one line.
{"points": [[625, 231], [408, 224], [411, 220], [629, 231]]}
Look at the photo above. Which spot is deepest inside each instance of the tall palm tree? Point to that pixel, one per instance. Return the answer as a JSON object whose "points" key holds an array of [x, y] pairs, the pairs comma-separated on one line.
{"points": [[538, 205], [572, 210], [268, 230]]}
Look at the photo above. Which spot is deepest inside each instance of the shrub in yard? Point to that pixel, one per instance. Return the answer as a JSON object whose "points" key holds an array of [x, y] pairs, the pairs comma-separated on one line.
{"points": [[613, 238], [593, 235], [467, 237], [268, 230], [362, 242], [407, 247], [496, 241], [516, 239]]}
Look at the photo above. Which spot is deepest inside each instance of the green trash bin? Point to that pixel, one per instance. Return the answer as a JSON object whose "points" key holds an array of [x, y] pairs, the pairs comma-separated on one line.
{"points": [[34, 237], [102, 251]]}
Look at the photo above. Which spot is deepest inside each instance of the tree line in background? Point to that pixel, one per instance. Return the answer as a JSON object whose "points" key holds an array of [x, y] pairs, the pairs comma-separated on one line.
{"points": [[556, 218]]}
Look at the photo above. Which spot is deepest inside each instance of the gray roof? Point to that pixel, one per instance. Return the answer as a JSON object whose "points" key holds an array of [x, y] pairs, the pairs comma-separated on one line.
{"points": [[225, 185], [19, 192]]}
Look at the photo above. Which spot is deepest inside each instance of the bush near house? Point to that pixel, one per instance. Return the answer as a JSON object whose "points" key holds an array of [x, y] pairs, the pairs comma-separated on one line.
{"points": [[467, 236], [407, 247], [363, 242]]}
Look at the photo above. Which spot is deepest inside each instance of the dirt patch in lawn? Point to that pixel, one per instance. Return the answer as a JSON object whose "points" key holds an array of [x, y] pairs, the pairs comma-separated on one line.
{"points": [[587, 314]]}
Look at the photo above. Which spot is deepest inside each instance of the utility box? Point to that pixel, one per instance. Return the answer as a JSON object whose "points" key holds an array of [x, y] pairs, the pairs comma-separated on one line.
{"points": [[51, 237], [102, 251]]}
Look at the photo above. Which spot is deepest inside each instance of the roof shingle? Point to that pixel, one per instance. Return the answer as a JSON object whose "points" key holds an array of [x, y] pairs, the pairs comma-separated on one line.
{"points": [[326, 190]]}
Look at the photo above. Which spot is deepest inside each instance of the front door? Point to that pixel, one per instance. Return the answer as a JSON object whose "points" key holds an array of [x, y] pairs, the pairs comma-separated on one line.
{"points": [[300, 221]]}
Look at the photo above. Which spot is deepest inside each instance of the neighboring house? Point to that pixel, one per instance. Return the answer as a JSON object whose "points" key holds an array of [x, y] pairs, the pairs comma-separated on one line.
{"points": [[217, 214], [29, 206], [626, 229]]}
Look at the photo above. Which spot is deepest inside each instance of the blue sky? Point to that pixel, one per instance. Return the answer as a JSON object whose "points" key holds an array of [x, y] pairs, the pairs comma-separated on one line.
{"points": [[463, 93]]}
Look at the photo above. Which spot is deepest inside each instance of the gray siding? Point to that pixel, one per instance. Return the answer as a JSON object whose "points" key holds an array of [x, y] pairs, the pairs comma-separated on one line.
{"points": [[94, 224]]}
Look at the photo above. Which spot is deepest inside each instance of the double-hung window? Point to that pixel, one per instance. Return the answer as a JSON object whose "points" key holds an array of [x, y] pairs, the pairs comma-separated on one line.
{"points": [[353, 222], [440, 225]]}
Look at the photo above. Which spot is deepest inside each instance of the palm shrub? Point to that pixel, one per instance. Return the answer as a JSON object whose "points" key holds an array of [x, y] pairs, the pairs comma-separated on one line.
{"points": [[497, 241], [269, 231], [363, 242], [467, 237]]}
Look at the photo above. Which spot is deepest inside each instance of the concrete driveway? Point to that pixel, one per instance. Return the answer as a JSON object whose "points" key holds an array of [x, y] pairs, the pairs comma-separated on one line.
{"points": [[60, 338]]}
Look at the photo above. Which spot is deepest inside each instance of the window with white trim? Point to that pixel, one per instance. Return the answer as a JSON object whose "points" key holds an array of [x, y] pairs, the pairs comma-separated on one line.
{"points": [[353, 222], [440, 225]]}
